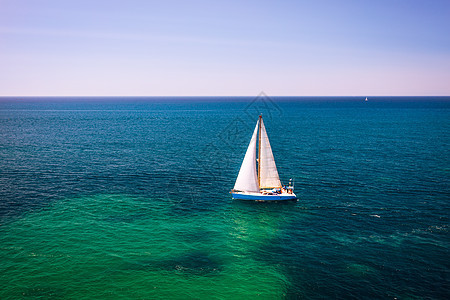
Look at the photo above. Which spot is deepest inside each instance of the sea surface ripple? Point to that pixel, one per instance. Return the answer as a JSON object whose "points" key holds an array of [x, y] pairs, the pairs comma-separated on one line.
{"points": [[123, 198]]}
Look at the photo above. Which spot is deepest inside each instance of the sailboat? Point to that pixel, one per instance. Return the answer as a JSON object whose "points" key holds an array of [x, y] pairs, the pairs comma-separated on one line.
{"points": [[260, 182]]}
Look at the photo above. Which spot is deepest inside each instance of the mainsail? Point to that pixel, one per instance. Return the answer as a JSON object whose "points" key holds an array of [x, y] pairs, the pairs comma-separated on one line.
{"points": [[247, 179], [268, 174]]}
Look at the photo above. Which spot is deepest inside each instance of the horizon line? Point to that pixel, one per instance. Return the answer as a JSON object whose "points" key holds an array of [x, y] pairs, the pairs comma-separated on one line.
{"points": [[207, 96]]}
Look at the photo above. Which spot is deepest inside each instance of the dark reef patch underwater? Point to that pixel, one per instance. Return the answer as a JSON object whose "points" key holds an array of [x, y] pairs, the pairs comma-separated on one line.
{"points": [[129, 198]]}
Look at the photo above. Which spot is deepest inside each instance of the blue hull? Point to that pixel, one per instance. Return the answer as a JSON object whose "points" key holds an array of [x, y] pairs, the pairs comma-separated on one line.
{"points": [[239, 196]]}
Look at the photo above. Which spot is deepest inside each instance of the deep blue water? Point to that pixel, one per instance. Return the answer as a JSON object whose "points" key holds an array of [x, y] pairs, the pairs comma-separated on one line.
{"points": [[373, 181]]}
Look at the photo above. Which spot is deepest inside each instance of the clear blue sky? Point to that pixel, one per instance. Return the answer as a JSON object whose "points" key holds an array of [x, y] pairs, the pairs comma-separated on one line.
{"points": [[154, 48]]}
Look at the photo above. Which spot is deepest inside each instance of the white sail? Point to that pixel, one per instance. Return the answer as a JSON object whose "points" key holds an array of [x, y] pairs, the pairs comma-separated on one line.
{"points": [[268, 173], [247, 179]]}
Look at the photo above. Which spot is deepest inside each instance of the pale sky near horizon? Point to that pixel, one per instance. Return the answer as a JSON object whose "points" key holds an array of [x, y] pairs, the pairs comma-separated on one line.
{"points": [[224, 48]]}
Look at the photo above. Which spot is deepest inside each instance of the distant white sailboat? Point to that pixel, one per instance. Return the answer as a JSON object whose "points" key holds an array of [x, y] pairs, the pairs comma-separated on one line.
{"points": [[263, 184], [366, 99]]}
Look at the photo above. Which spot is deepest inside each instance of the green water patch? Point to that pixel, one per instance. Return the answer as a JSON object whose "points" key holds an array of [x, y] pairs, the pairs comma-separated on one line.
{"points": [[198, 263], [117, 246], [359, 270]]}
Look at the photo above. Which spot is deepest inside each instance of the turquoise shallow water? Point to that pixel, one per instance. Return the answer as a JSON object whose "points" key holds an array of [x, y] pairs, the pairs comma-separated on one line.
{"points": [[128, 198]]}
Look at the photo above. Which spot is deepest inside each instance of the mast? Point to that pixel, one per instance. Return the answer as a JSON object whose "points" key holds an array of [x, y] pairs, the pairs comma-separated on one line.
{"points": [[259, 152]]}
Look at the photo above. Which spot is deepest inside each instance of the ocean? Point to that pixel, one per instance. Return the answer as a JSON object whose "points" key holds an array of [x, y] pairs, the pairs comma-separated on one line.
{"points": [[128, 198]]}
